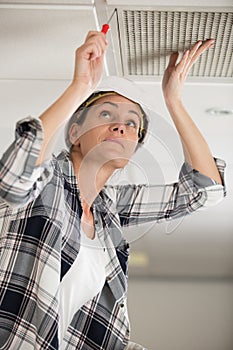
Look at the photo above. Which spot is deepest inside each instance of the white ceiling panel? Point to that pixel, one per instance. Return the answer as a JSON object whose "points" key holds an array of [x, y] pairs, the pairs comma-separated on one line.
{"points": [[40, 43], [50, 2]]}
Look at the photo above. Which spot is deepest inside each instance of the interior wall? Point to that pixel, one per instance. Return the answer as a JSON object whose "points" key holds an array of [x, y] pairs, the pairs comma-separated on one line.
{"points": [[182, 314]]}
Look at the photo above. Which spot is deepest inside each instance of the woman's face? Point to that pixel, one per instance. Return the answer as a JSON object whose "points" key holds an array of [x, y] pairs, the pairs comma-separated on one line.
{"points": [[110, 131]]}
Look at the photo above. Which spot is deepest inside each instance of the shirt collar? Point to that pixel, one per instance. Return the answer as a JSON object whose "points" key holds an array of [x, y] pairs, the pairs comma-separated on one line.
{"points": [[67, 170]]}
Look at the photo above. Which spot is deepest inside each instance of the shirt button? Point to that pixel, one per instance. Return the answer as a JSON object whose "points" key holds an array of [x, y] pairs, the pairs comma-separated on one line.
{"points": [[96, 222], [108, 278], [122, 305]]}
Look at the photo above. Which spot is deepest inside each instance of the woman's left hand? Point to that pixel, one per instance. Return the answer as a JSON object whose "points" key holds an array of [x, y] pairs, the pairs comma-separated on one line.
{"points": [[176, 73]]}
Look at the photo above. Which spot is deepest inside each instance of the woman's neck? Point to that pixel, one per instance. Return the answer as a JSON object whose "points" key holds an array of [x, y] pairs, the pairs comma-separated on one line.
{"points": [[91, 177]]}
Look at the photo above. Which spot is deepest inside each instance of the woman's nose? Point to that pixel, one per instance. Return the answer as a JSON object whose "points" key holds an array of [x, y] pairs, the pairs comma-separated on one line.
{"points": [[118, 128]]}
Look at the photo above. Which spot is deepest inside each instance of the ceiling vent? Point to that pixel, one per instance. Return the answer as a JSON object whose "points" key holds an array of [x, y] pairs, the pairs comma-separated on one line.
{"points": [[148, 37]]}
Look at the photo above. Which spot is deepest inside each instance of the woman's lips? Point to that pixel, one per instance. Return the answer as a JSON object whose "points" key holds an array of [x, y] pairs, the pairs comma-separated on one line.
{"points": [[112, 139]]}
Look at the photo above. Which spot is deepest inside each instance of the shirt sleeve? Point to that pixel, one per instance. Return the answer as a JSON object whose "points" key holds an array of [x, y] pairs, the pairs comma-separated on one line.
{"points": [[193, 190], [20, 180]]}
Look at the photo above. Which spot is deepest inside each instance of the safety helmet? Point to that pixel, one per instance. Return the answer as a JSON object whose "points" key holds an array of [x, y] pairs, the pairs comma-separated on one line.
{"points": [[109, 86]]}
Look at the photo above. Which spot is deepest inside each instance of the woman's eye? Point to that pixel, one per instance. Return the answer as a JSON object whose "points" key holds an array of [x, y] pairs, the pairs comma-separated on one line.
{"points": [[105, 114], [132, 124]]}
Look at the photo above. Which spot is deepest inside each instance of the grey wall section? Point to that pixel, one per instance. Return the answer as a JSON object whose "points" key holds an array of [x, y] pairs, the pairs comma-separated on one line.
{"points": [[182, 314]]}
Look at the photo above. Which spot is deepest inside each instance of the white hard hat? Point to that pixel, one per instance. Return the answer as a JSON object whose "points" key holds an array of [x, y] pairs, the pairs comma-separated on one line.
{"points": [[126, 88], [123, 87]]}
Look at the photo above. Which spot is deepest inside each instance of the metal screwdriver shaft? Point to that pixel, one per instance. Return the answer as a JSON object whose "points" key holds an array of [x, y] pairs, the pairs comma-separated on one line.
{"points": [[105, 27]]}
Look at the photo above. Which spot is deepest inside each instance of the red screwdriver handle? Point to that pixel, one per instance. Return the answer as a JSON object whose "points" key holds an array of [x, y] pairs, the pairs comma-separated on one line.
{"points": [[105, 28]]}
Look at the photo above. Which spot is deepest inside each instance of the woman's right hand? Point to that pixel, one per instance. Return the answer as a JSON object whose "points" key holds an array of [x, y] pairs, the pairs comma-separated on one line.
{"points": [[88, 70], [89, 60]]}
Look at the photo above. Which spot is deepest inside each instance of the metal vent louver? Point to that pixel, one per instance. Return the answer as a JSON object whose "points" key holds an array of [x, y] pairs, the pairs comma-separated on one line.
{"points": [[150, 36]]}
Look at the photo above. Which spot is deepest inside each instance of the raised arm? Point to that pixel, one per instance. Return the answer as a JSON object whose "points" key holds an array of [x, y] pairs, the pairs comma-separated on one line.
{"points": [[20, 180], [87, 74], [196, 150]]}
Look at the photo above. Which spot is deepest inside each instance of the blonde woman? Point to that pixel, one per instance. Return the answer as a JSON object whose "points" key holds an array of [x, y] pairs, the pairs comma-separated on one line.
{"points": [[63, 258]]}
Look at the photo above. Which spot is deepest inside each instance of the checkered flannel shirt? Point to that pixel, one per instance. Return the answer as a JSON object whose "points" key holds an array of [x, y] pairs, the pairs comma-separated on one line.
{"points": [[40, 215]]}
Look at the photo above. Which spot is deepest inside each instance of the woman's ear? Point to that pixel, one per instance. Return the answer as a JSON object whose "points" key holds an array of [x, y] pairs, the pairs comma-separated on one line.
{"points": [[74, 134]]}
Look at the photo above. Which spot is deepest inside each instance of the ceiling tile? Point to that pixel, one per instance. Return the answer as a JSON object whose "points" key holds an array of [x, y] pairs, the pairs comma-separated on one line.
{"points": [[40, 43]]}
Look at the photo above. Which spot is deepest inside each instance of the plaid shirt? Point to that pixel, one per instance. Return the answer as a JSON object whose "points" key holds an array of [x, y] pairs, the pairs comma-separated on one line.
{"points": [[40, 213]]}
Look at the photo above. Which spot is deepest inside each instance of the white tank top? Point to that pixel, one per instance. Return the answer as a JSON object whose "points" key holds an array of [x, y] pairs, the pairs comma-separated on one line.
{"points": [[84, 280]]}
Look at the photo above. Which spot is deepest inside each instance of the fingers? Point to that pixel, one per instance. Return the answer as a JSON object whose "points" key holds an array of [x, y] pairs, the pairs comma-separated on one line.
{"points": [[173, 59], [198, 49], [96, 36], [191, 56], [94, 46], [176, 73], [99, 42], [183, 62]]}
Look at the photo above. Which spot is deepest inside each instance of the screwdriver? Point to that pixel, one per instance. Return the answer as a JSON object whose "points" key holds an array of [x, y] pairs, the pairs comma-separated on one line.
{"points": [[105, 27]]}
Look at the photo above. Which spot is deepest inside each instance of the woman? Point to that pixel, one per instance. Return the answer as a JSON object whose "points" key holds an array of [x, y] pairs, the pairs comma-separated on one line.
{"points": [[63, 259]]}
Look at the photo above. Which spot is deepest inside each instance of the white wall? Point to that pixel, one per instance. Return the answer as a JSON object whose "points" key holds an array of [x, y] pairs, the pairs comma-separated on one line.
{"points": [[182, 314]]}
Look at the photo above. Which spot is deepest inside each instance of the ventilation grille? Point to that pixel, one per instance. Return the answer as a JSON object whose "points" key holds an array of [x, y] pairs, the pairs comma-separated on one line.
{"points": [[149, 37]]}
